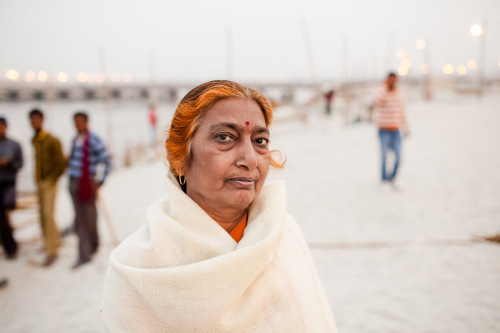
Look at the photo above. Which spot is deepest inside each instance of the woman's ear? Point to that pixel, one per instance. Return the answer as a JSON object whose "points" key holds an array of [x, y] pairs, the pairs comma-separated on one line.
{"points": [[179, 171]]}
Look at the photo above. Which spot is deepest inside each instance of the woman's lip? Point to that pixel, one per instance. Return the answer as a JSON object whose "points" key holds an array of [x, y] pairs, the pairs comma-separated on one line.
{"points": [[243, 181]]}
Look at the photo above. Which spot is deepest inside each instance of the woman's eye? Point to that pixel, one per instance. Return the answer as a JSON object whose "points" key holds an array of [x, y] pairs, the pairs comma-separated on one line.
{"points": [[262, 141], [223, 137]]}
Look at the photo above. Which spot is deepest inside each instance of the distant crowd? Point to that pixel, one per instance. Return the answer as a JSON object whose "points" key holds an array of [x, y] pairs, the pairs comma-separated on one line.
{"points": [[88, 153]]}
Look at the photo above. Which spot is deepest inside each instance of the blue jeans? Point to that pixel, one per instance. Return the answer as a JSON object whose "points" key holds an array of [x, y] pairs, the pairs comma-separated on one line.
{"points": [[390, 140]]}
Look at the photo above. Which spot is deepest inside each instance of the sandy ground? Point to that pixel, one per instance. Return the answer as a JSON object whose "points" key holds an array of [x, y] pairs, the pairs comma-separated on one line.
{"points": [[390, 261]]}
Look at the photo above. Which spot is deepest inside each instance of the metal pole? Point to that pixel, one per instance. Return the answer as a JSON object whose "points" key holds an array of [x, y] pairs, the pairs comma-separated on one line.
{"points": [[428, 93], [482, 60], [388, 52], [229, 53], [310, 61], [309, 52], [50, 97], [153, 85], [345, 74], [107, 105]]}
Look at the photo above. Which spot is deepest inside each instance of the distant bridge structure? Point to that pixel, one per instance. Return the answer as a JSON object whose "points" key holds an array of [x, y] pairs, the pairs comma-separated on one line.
{"points": [[280, 92], [170, 92]]}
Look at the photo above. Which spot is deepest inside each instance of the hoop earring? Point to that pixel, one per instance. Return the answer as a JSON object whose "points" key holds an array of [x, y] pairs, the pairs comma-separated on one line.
{"points": [[180, 180]]}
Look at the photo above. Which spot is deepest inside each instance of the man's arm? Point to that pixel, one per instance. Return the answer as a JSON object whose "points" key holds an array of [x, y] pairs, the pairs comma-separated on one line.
{"points": [[17, 157], [405, 128], [59, 160], [103, 157]]}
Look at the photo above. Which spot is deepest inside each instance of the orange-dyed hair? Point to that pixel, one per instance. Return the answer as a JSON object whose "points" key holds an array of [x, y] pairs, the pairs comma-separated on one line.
{"points": [[191, 109]]}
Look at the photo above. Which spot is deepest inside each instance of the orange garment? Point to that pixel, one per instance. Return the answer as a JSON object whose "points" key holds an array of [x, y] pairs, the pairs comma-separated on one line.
{"points": [[239, 229]]}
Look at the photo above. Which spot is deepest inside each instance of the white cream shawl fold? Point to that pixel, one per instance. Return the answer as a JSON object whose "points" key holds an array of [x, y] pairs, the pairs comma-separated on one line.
{"points": [[182, 272]]}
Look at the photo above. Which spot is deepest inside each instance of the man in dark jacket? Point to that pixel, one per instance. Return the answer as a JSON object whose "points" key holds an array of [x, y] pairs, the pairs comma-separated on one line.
{"points": [[49, 166], [11, 160]]}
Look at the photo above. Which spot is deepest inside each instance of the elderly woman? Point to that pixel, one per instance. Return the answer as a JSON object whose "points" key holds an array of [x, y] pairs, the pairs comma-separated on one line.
{"points": [[220, 253]]}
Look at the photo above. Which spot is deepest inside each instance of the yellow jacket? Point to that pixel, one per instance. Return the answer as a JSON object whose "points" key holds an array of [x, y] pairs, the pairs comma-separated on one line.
{"points": [[50, 162]]}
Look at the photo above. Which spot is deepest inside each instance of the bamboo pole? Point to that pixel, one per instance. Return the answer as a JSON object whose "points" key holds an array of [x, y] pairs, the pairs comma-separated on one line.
{"points": [[107, 219]]}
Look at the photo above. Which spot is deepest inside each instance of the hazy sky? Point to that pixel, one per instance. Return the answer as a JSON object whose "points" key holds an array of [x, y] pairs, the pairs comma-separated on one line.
{"points": [[187, 39]]}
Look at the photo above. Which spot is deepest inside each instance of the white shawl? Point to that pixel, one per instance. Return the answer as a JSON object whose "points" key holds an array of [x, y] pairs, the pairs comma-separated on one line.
{"points": [[182, 272]]}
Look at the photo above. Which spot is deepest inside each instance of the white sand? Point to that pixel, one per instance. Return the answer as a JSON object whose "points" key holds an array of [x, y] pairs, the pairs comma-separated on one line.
{"points": [[390, 261]]}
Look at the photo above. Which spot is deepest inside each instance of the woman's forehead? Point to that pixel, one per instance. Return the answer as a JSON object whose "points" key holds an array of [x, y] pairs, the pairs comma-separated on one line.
{"points": [[240, 111]]}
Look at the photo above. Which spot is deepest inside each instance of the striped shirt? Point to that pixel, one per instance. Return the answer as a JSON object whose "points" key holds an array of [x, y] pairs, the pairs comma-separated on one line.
{"points": [[389, 112], [98, 155]]}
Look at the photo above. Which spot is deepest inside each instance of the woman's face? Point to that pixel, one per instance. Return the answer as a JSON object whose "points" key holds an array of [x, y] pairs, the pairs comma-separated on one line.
{"points": [[230, 157]]}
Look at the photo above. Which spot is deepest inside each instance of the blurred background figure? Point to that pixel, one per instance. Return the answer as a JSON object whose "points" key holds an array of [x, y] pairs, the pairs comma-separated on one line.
{"points": [[329, 95], [87, 152], [11, 160], [493, 238], [49, 166], [152, 116], [391, 119]]}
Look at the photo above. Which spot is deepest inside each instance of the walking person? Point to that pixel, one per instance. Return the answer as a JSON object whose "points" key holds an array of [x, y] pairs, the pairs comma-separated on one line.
{"points": [[87, 153], [11, 160], [391, 120], [49, 166]]}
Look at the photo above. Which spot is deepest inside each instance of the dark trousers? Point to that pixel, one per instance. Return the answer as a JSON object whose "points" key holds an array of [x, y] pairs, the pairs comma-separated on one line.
{"points": [[85, 222], [8, 242]]}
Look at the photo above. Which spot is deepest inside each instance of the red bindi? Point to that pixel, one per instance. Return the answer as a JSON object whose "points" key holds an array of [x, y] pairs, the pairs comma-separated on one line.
{"points": [[247, 123]]}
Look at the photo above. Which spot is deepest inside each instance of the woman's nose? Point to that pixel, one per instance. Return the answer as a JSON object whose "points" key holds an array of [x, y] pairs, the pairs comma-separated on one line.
{"points": [[247, 157]]}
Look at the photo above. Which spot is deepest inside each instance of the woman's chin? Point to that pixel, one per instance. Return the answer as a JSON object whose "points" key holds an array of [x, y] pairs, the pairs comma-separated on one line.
{"points": [[240, 200]]}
